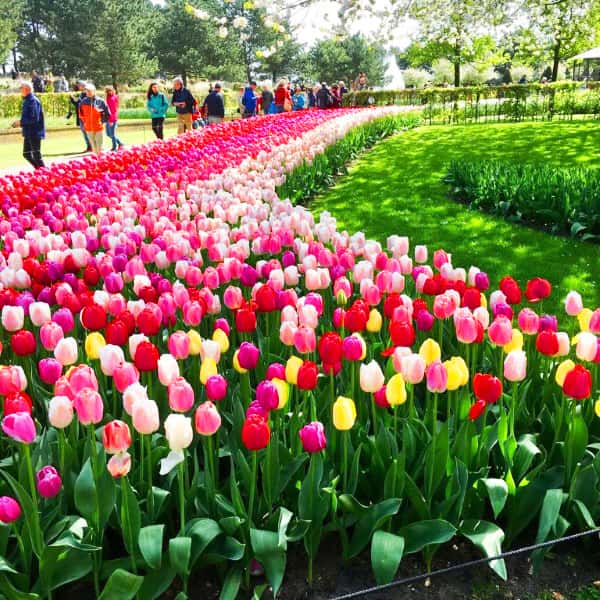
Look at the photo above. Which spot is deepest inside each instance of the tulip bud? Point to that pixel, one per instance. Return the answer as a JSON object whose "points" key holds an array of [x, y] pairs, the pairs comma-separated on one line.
{"points": [[395, 390], [60, 412], [344, 413], [313, 437], [48, 482], [207, 419]]}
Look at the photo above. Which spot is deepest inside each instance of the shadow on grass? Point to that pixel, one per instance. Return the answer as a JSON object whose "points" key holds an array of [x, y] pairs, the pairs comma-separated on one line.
{"points": [[397, 188]]}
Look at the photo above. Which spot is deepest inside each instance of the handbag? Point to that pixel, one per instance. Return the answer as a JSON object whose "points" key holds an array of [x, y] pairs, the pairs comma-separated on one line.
{"points": [[287, 105]]}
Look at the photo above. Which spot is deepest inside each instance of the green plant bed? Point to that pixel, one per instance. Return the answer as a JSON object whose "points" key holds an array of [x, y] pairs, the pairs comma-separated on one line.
{"points": [[397, 188]]}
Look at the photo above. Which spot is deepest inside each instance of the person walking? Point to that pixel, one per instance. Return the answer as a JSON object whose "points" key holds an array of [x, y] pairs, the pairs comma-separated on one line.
{"points": [[32, 125], [76, 102], [267, 99], [336, 96], [61, 85], [112, 101], [38, 83], [183, 101], [213, 106], [93, 113], [157, 106], [298, 100], [323, 97], [282, 97], [249, 101]]}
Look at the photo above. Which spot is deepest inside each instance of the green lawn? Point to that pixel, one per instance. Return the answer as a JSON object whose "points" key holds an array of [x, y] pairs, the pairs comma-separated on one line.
{"points": [[397, 188]]}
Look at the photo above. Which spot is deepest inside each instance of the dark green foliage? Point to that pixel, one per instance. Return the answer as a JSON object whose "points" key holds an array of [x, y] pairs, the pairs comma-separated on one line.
{"points": [[560, 200]]}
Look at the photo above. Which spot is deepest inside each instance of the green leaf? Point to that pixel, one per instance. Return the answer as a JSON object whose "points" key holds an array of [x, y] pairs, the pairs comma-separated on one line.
{"points": [[375, 516], [526, 452], [285, 517], [202, 532], [85, 494], [180, 549], [273, 558], [488, 537], [225, 548], [421, 534], [121, 585], [130, 516], [575, 442], [270, 474], [386, 553], [310, 500], [231, 585], [150, 540], [157, 582], [497, 491], [5, 566], [230, 524], [11, 593], [549, 516], [354, 470]]}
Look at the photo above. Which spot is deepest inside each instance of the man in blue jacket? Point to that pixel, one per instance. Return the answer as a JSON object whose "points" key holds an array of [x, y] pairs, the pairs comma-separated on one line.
{"points": [[249, 100], [32, 125], [183, 101], [214, 107]]}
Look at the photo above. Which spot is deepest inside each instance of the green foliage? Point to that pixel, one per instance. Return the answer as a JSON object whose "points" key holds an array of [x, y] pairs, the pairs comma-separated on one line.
{"points": [[10, 15], [560, 200]]}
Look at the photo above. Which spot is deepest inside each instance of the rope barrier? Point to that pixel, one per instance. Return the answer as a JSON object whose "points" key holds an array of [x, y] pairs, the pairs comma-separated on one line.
{"points": [[465, 565]]}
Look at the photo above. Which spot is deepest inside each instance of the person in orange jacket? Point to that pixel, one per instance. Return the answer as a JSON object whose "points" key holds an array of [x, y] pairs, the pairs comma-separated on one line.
{"points": [[93, 113]]}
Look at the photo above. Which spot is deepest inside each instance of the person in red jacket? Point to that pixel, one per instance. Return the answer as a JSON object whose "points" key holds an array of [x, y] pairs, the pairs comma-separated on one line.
{"points": [[282, 97], [93, 113]]}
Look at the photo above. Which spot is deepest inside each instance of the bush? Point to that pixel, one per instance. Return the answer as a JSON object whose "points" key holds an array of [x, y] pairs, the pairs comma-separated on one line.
{"points": [[416, 78], [559, 200]]}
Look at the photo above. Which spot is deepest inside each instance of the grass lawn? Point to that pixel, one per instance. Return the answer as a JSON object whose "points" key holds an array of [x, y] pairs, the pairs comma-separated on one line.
{"points": [[397, 188], [62, 144]]}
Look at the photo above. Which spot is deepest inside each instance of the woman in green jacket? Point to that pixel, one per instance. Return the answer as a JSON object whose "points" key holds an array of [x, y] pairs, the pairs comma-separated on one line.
{"points": [[157, 105]]}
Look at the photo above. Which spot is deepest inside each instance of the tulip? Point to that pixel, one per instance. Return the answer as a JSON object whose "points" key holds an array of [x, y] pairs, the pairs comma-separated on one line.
{"points": [[146, 356], [546, 343], [94, 342], [562, 370], [111, 357], [216, 388], [537, 289], [48, 482], [578, 383], [283, 391], [584, 320], [344, 413], [291, 369], [181, 395], [16, 402], [39, 313], [413, 368], [207, 419], [10, 511], [500, 331], [49, 370], [144, 416], [371, 377], [275, 370], [119, 465], [255, 433], [573, 304], [456, 373], [20, 427], [477, 410], [168, 369], [116, 437], [22, 343], [208, 369], [515, 366], [395, 390], [267, 395], [89, 407], [313, 437], [354, 348], [587, 345], [516, 343], [248, 355], [60, 412], [466, 329], [178, 431], [13, 318], [195, 342], [437, 377], [179, 345], [430, 351], [221, 338], [307, 376], [594, 322], [487, 388], [125, 375], [375, 321]]}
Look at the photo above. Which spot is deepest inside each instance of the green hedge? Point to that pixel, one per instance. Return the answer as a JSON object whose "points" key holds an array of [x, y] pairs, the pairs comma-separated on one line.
{"points": [[563, 201], [308, 179]]}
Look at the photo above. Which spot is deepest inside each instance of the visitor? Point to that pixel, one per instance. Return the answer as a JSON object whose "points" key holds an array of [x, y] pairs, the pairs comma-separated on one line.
{"points": [[183, 101], [343, 89], [214, 106], [32, 125], [323, 97], [38, 83], [298, 100], [361, 82], [336, 98], [112, 101], [76, 102], [61, 85], [157, 105], [312, 99], [283, 101], [249, 101], [266, 99], [93, 113]]}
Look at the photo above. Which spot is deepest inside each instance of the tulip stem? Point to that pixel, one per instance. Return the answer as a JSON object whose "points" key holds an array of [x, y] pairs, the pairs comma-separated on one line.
{"points": [[374, 413], [181, 478], [61, 452], [252, 488], [93, 463], [345, 435], [149, 461], [433, 449], [125, 518], [513, 408], [32, 490]]}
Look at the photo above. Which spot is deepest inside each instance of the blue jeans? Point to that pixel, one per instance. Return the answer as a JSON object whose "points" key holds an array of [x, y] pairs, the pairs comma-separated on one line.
{"points": [[86, 139], [111, 132]]}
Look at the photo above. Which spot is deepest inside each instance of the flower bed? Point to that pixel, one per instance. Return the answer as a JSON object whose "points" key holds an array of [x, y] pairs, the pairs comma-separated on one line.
{"points": [[198, 373]]}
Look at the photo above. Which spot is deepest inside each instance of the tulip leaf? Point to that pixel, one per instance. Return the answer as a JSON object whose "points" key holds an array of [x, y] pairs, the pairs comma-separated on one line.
{"points": [[285, 517], [421, 534], [159, 497], [584, 487], [130, 516], [180, 549], [488, 537], [231, 585], [386, 553], [416, 498], [268, 552], [202, 532], [288, 471], [354, 470], [85, 493], [575, 442], [393, 485], [65, 567], [270, 473], [372, 520], [150, 540], [549, 515], [497, 492], [225, 548], [230, 524], [29, 512], [121, 585], [526, 452], [5, 566], [11, 593], [156, 583]]}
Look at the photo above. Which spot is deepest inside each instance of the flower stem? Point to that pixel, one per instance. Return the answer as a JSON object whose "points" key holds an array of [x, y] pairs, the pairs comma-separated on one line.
{"points": [[149, 466], [125, 517], [252, 488], [181, 479], [374, 413], [345, 435]]}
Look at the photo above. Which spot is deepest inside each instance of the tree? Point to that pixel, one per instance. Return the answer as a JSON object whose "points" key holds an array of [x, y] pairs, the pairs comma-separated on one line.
{"points": [[118, 42], [563, 27], [283, 60], [454, 26], [10, 16], [333, 59]]}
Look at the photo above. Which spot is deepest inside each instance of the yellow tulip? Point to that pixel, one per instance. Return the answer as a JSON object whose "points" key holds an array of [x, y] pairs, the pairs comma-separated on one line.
{"points": [[195, 342], [208, 368], [461, 365], [597, 407], [344, 413], [430, 351], [584, 319], [375, 321], [236, 363], [562, 370], [291, 369], [395, 390], [341, 298], [283, 391], [94, 342], [516, 343], [221, 338], [483, 300], [458, 373]]}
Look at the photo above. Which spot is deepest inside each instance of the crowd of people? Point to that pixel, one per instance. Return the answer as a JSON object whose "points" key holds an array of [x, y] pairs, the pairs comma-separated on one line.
{"points": [[96, 116]]}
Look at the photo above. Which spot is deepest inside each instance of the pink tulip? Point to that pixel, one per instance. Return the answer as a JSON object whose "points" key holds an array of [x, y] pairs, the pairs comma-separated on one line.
{"points": [[216, 388], [60, 412], [48, 482], [573, 304], [12, 379], [529, 321], [20, 427], [248, 355], [564, 343], [179, 344], [39, 313], [66, 351], [413, 368], [10, 510], [587, 345], [515, 365], [49, 370], [13, 318], [444, 306], [594, 325], [82, 377], [466, 328], [50, 334], [181, 395], [89, 407], [305, 340], [267, 395], [168, 369], [144, 416], [134, 392], [500, 331], [207, 419], [124, 375], [371, 377], [437, 377], [111, 357], [421, 254], [119, 465], [313, 437]]}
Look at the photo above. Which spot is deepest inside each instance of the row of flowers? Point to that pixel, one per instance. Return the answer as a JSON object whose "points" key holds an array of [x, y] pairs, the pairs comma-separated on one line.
{"points": [[196, 372]]}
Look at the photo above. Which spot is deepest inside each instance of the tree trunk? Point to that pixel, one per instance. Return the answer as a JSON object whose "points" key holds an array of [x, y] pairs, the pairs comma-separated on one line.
{"points": [[457, 74], [113, 78], [15, 63], [184, 77], [556, 60]]}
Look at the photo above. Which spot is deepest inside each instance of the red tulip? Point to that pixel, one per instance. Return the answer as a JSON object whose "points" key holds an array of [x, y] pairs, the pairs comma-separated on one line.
{"points": [[266, 299], [547, 343], [245, 320], [402, 333], [146, 356], [390, 304], [476, 410], [93, 317], [578, 383], [17, 402], [116, 333], [355, 320], [471, 298], [510, 288], [91, 275], [116, 437], [307, 375], [330, 347], [149, 321], [23, 343], [487, 387], [537, 289], [255, 433]]}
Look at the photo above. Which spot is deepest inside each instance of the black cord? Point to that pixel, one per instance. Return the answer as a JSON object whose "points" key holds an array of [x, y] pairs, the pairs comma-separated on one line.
{"points": [[465, 565]]}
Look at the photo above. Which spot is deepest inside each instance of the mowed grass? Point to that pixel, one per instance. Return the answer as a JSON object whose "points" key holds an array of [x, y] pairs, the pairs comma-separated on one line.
{"points": [[397, 188]]}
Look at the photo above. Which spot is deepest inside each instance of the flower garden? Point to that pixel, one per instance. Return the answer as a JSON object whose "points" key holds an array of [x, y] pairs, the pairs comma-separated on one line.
{"points": [[197, 373]]}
